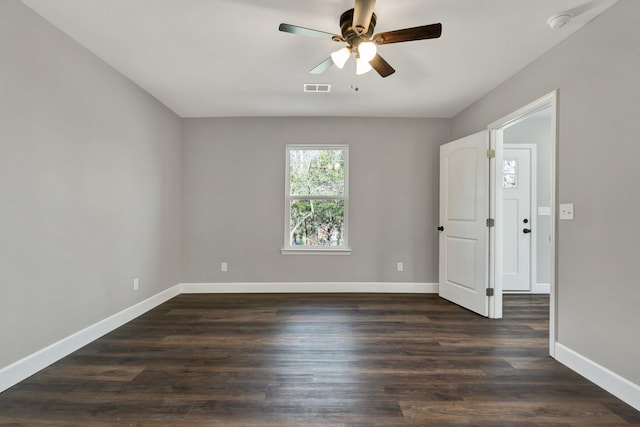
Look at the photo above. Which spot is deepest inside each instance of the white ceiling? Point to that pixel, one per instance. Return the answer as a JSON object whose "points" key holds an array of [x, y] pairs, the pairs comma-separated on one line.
{"points": [[220, 58]]}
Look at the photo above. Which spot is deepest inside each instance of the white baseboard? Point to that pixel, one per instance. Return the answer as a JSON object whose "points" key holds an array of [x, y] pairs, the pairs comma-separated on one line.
{"points": [[620, 387], [22, 369], [307, 287]]}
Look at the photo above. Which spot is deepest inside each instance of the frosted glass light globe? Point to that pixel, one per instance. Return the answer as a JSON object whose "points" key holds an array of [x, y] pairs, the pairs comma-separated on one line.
{"points": [[367, 50], [362, 66], [340, 57]]}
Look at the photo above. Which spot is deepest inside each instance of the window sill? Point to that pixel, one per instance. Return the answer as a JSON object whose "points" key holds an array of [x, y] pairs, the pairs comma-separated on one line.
{"points": [[316, 251]]}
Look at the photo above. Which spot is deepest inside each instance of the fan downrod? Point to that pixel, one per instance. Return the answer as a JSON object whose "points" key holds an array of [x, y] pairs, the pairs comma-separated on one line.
{"points": [[349, 34]]}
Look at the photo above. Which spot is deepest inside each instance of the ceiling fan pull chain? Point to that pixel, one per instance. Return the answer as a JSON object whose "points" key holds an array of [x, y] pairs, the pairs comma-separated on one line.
{"points": [[354, 84]]}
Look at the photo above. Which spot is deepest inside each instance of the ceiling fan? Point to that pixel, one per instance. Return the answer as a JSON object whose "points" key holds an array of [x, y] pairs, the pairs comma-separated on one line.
{"points": [[357, 27]]}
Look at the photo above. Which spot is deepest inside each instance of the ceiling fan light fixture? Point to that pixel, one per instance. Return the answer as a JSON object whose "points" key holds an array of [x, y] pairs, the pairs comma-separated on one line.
{"points": [[357, 26], [367, 51], [362, 66], [340, 57]]}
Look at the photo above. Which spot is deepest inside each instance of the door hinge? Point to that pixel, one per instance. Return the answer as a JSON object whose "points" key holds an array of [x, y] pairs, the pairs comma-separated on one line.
{"points": [[491, 153], [491, 222], [489, 292]]}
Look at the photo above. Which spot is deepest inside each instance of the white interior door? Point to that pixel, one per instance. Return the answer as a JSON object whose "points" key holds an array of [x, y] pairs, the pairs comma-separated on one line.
{"points": [[464, 209], [517, 237]]}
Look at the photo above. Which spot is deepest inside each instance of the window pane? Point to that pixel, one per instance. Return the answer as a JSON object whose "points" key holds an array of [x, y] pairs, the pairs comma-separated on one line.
{"points": [[510, 173], [510, 166], [510, 181], [316, 172], [316, 222]]}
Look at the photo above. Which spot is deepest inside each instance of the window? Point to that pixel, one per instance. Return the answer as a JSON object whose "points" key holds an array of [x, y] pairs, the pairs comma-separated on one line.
{"points": [[316, 199], [510, 174]]}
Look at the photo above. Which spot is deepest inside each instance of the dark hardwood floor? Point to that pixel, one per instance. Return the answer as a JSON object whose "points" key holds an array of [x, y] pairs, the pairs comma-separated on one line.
{"points": [[317, 360]]}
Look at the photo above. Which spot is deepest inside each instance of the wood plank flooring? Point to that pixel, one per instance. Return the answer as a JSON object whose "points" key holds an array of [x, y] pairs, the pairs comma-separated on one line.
{"points": [[317, 360]]}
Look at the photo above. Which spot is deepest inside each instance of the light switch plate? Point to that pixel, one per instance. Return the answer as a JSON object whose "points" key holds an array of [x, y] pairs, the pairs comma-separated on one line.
{"points": [[544, 210], [566, 211]]}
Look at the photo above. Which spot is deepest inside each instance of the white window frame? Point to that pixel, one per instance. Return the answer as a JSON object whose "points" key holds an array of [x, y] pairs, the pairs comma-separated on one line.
{"points": [[288, 248]]}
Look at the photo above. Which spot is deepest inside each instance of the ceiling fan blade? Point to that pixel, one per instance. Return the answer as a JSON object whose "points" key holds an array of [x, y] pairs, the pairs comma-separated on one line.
{"points": [[432, 31], [362, 12], [294, 29], [322, 67], [381, 66]]}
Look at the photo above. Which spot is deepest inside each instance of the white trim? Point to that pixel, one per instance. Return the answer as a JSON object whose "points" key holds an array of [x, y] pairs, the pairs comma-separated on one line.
{"points": [[522, 113], [619, 386], [22, 369], [553, 311], [316, 251], [495, 233], [307, 287], [541, 288]]}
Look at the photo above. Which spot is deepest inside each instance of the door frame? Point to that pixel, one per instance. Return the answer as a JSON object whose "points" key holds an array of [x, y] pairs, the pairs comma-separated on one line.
{"points": [[533, 207], [496, 142]]}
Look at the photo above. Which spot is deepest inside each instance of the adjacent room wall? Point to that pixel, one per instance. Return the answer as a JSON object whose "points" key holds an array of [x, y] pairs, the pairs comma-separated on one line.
{"points": [[537, 130], [233, 199], [596, 72], [89, 187]]}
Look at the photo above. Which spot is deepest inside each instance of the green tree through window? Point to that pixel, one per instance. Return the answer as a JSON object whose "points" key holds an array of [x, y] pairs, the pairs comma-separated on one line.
{"points": [[316, 196]]}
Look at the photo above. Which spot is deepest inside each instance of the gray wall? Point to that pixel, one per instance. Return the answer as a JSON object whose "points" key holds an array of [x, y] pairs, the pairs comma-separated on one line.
{"points": [[89, 187], [596, 71], [537, 130], [233, 199]]}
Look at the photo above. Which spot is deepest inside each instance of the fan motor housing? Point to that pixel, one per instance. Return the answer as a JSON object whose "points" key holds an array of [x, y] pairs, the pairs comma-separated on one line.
{"points": [[349, 34]]}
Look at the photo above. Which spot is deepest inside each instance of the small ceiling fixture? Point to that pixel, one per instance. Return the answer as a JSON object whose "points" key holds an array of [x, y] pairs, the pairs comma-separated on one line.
{"points": [[559, 20]]}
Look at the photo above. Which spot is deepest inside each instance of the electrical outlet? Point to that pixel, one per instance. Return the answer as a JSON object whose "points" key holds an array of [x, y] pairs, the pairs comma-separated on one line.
{"points": [[400, 266], [566, 211], [223, 266], [136, 284]]}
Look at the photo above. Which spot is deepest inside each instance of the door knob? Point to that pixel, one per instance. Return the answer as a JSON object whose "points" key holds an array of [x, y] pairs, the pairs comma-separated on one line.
{"points": [[441, 228], [526, 230]]}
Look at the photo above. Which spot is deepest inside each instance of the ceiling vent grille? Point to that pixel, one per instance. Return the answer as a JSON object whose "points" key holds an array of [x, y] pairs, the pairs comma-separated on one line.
{"points": [[317, 87]]}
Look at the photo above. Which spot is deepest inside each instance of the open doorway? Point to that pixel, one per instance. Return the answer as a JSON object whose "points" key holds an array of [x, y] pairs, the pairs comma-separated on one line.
{"points": [[524, 204], [472, 249]]}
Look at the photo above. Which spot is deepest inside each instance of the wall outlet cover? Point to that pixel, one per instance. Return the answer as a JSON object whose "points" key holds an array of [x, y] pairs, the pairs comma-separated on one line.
{"points": [[566, 211]]}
